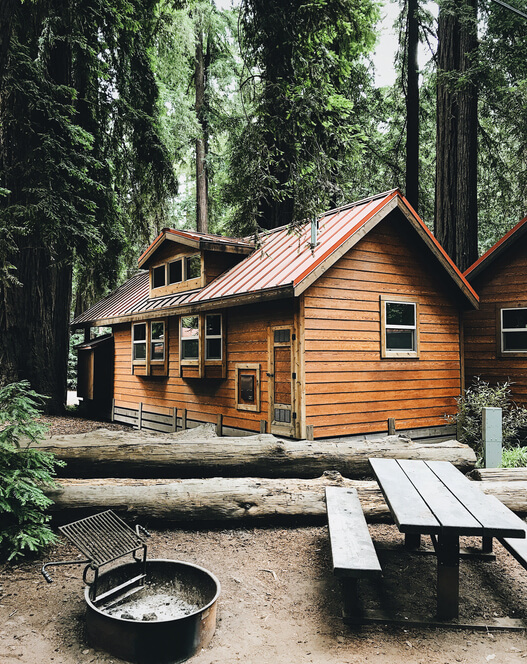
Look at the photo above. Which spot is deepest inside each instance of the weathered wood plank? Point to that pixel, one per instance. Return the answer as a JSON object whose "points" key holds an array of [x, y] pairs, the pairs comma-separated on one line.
{"points": [[352, 549], [409, 510]]}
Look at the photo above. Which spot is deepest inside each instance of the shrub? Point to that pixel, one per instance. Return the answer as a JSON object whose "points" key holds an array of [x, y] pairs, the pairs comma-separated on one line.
{"points": [[469, 414], [24, 471], [514, 458]]}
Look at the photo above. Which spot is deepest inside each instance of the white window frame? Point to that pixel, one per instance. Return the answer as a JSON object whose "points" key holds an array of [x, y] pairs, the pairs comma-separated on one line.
{"points": [[152, 341], [508, 330], [135, 343], [386, 351], [214, 336]]}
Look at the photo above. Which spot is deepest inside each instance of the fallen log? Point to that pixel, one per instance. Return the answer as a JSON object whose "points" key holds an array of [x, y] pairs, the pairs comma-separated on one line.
{"points": [[512, 494], [499, 474], [188, 454], [211, 499]]}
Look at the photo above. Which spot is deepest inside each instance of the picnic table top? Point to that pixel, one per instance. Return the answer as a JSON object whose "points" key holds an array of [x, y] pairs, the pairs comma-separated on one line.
{"points": [[434, 497]]}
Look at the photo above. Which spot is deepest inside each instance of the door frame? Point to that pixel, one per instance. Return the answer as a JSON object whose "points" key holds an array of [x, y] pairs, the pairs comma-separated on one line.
{"points": [[289, 429]]}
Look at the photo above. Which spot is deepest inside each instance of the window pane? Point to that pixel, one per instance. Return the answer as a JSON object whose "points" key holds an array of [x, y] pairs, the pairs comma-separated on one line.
{"points": [[175, 272], [281, 336], [213, 349], [158, 331], [189, 326], [189, 349], [140, 332], [158, 276], [515, 341], [140, 351], [157, 350], [193, 266], [514, 318], [400, 313], [400, 339], [213, 325]]}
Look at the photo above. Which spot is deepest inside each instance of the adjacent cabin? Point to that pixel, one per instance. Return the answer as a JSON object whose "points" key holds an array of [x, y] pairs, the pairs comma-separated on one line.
{"points": [[327, 328], [496, 335]]}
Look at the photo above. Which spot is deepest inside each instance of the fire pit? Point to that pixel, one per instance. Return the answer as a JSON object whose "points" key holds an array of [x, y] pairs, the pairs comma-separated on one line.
{"points": [[145, 611]]}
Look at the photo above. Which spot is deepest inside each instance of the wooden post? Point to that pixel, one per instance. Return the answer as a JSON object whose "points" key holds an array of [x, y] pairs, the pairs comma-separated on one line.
{"points": [[174, 419], [263, 426], [492, 437], [184, 419], [112, 415], [310, 432], [391, 426], [219, 425], [140, 415]]}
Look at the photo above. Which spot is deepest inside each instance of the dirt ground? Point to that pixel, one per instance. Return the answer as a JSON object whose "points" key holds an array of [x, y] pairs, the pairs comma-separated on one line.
{"points": [[279, 602]]}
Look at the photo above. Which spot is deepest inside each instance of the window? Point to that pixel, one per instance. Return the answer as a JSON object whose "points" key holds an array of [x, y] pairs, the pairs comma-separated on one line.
{"points": [[514, 330], [247, 387], [189, 338], [193, 267], [176, 275], [175, 272], [157, 341], [399, 328], [149, 348], [158, 276], [213, 337], [139, 341]]}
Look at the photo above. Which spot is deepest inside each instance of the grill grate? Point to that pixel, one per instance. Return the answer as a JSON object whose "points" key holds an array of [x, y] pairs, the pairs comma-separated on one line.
{"points": [[103, 537]]}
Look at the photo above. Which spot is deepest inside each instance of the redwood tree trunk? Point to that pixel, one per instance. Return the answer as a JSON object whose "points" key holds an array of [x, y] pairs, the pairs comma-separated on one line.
{"points": [[412, 108], [456, 225], [202, 223]]}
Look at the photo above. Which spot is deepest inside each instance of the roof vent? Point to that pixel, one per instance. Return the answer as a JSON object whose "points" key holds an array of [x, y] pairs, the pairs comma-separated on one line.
{"points": [[314, 232]]}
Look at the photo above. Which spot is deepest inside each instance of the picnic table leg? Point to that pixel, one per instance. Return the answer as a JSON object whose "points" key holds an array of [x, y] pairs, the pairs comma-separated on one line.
{"points": [[350, 597], [447, 576], [412, 540], [486, 544]]}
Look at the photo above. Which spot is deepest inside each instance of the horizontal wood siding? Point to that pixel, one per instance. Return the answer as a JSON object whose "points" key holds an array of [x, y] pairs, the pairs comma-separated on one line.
{"points": [[349, 388], [503, 282], [204, 398]]}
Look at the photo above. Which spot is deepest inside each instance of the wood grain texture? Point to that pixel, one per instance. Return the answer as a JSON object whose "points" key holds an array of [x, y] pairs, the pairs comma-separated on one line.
{"points": [[352, 550]]}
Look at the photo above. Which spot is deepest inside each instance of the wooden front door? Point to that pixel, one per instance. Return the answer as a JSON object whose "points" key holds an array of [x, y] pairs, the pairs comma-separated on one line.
{"points": [[282, 413]]}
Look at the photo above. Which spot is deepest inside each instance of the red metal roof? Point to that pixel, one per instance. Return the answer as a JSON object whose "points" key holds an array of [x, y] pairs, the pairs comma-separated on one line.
{"points": [[501, 245], [284, 264]]}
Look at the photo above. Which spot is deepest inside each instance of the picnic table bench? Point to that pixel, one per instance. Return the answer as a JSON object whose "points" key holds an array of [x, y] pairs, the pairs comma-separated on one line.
{"points": [[425, 498], [354, 556]]}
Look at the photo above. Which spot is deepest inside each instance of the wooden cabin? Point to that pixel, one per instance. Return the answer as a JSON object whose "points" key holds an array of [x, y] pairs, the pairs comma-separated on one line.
{"points": [[496, 335], [329, 328]]}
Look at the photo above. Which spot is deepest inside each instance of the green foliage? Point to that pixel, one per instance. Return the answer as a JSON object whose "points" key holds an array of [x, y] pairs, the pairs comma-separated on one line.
{"points": [[469, 415], [24, 470], [514, 458], [304, 72]]}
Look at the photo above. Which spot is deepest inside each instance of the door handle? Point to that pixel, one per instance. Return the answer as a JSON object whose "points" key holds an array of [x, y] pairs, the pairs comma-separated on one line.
{"points": [[270, 375]]}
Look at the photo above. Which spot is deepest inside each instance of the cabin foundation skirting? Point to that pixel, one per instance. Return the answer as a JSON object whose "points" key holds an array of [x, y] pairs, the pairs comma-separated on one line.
{"points": [[178, 420]]}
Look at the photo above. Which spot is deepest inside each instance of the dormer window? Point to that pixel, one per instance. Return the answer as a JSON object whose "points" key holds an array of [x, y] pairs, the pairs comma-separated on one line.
{"points": [[178, 274]]}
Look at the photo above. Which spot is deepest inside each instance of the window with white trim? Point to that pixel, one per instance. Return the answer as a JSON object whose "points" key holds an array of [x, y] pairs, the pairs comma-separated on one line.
{"points": [[399, 328], [176, 272], [514, 330], [149, 348], [213, 337], [189, 335]]}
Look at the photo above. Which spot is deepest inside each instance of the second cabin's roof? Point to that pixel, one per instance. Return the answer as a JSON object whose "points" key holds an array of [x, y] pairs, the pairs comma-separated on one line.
{"points": [[496, 250], [284, 265]]}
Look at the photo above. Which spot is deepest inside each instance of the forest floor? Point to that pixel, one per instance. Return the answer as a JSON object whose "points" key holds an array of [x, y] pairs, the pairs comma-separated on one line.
{"points": [[279, 603]]}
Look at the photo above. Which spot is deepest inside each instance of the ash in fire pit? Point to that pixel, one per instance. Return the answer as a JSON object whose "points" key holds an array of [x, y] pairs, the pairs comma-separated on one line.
{"points": [[157, 601]]}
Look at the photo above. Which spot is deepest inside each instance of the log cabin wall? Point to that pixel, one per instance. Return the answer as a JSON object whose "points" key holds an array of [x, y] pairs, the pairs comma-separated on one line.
{"points": [[503, 284], [204, 398], [350, 388]]}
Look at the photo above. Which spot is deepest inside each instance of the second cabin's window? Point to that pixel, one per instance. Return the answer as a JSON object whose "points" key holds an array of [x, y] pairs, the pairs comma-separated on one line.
{"points": [[400, 328], [189, 337], [514, 330]]}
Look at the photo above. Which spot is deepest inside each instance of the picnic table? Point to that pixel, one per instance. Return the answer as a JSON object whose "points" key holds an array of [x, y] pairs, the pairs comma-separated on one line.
{"points": [[434, 498]]}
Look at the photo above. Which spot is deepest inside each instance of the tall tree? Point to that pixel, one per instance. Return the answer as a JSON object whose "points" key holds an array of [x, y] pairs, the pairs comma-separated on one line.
{"points": [[82, 167], [456, 217], [412, 105], [301, 130]]}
